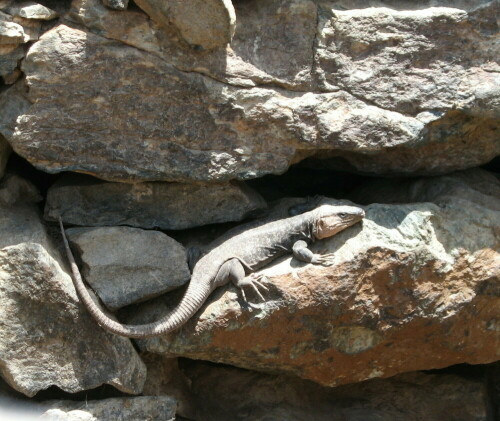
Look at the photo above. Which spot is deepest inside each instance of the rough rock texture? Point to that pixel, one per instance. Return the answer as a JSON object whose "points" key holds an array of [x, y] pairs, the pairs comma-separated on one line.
{"points": [[83, 200], [201, 23], [116, 409], [414, 287], [116, 4], [381, 90], [46, 337], [225, 393], [31, 10], [5, 151], [166, 379], [124, 265]]}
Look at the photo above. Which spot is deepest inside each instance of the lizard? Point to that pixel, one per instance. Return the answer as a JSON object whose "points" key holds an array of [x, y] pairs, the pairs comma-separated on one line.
{"points": [[235, 257]]}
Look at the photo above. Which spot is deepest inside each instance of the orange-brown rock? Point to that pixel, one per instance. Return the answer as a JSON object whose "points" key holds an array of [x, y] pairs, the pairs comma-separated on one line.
{"points": [[415, 287]]}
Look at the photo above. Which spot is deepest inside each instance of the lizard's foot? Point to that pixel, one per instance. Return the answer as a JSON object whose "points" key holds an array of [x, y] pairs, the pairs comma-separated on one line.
{"points": [[324, 259], [255, 282]]}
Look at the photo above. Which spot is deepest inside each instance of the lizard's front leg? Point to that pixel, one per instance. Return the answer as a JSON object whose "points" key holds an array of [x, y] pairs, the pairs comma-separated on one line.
{"points": [[302, 253]]}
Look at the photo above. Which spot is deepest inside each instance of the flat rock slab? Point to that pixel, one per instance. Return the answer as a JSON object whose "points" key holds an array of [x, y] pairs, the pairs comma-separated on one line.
{"points": [[415, 286], [125, 265], [46, 337], [86, 201], [246, 395], [115, 409], [164, 112], [201, 23]]}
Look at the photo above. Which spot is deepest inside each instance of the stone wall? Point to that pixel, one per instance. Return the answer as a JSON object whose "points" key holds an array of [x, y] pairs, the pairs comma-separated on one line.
{"points": [[156, 129]]}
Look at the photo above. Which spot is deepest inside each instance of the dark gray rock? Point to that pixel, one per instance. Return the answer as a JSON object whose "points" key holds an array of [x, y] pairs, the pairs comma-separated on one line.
{"points": [[87, 201], [46, 336], [230, 394], [124, 265], [5, 151]]}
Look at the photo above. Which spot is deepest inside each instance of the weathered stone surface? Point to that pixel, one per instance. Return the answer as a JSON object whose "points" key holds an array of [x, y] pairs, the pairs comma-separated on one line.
{"points": [[201, 23], [116, 4], [15, 190], [10, 56], [124, 265], [114, 409], [11, 33], [414, 287], [12, 104], [166, 379], [46, 337], [87, 201], [225, 393], [31, 10], [168, 122]]}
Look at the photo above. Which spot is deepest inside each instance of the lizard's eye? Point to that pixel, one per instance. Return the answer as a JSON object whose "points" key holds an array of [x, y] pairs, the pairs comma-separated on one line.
{"points": [[342, 215]]}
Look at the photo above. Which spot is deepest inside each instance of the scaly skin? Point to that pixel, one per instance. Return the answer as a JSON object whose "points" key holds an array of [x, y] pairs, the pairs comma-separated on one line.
{"points": [[239, 252]]}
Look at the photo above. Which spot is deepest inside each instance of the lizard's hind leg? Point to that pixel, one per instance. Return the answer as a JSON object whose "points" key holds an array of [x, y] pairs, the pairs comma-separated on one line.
{"points": [[236, 273]]}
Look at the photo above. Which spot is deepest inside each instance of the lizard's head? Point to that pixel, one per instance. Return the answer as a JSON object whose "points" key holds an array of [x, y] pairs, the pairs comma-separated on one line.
{"points": [[332, 219]]}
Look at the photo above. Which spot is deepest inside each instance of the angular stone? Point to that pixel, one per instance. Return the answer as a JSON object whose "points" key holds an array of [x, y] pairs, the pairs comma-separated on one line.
{"points": [[165, 378], [116, 4], [113, 409], [10, 57], [247, 395], [201, 23], [167, 124], [11, 33], [13, 102], [86, 201], [15, 190], [124, 265], [415, 286], [46, 337], [31, 10], [431, 60]]}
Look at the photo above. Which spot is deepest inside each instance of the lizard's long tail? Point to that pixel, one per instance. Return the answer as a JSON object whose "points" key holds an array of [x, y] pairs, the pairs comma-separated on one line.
{"points": [[192, 300]]}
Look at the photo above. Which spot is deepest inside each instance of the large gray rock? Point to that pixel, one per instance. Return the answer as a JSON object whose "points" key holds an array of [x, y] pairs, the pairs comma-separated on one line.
{"points": [[124, 265], [201, 23], [172, 113], [46, 337], [415, 286], [87, 201], [230, 394], [113, 409]]}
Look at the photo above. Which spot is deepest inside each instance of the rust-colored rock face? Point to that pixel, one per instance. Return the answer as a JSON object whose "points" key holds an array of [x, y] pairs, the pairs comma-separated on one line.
{"points": [[412, 288]]}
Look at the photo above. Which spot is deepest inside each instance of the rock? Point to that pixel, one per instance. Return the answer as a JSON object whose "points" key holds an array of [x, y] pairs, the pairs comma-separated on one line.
{"points": [[87, 201], [415, 286], [124, 265], [5, 151], [15, 190], [116, 4], [13, 103], [113, 409], [46, 337], [201, 23], [169, 122], [246, 395], [166, 379], [11, 33], [10, 56], [31, 10]]}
